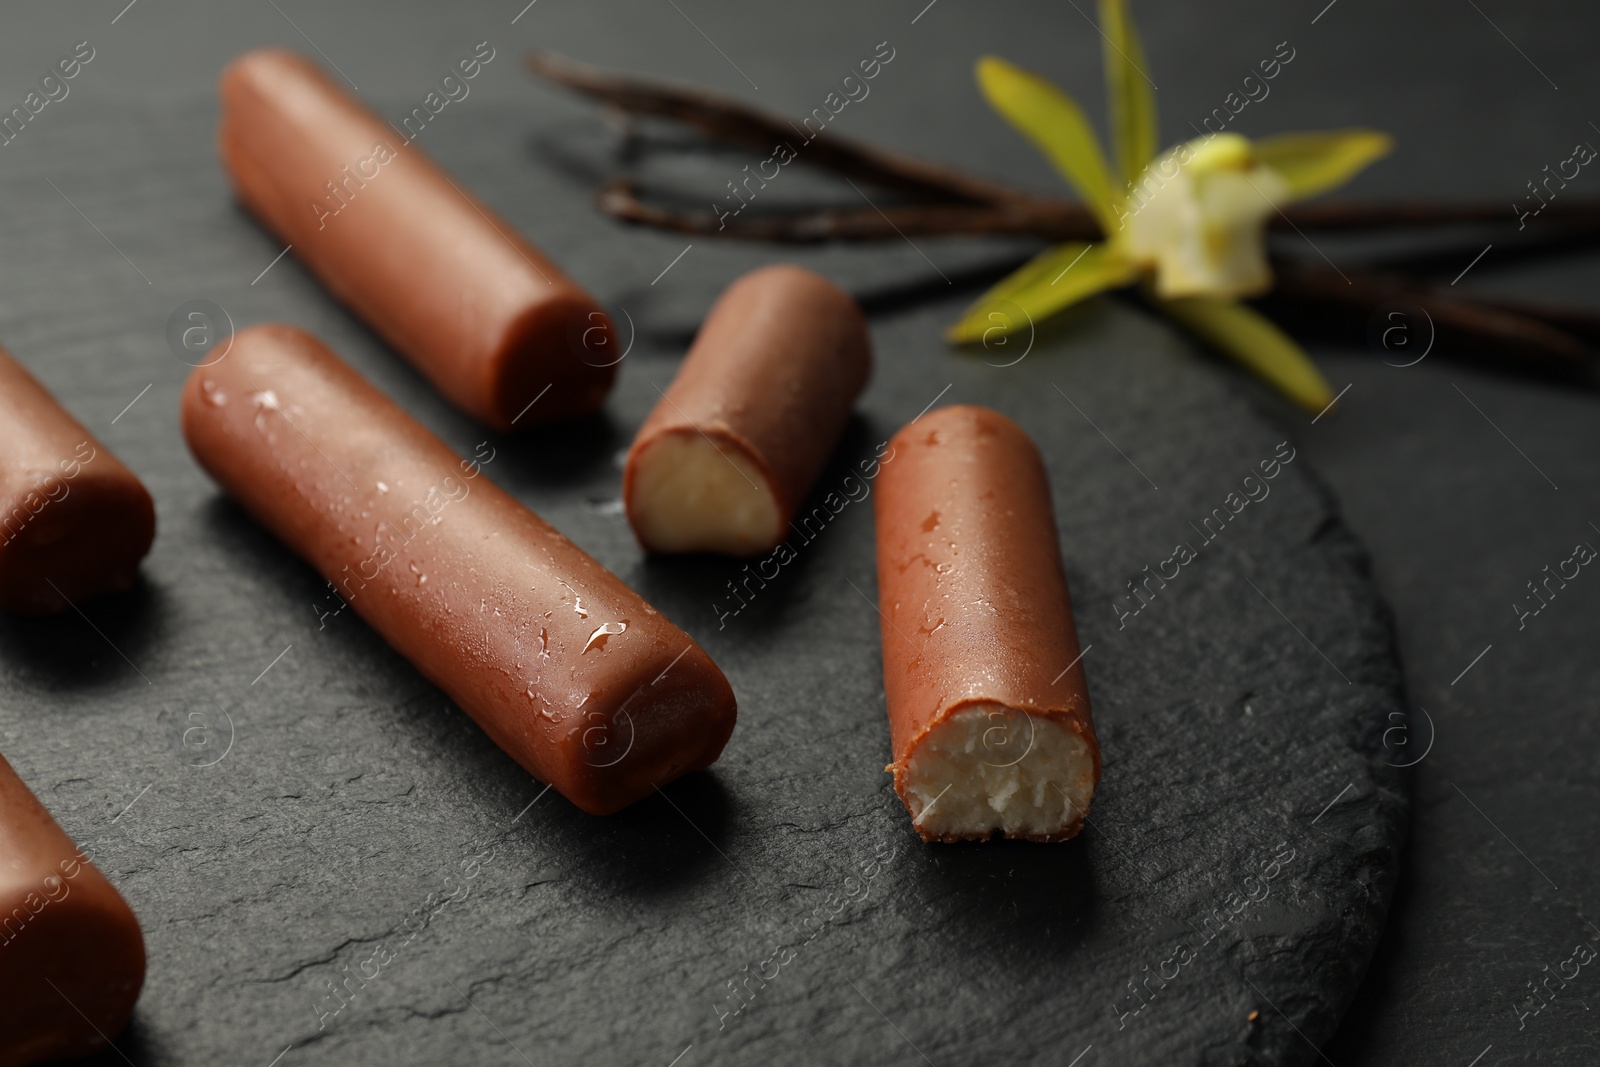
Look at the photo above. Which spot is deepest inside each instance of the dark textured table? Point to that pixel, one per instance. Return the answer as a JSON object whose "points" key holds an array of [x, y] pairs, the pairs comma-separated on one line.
{"points": [[282, 799]]}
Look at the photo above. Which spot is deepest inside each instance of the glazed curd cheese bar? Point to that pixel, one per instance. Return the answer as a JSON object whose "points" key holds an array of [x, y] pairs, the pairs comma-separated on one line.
{"points": [[74, 520], [736, 442], [492, 323], [71, 953], [567, 669], [988, 706]]}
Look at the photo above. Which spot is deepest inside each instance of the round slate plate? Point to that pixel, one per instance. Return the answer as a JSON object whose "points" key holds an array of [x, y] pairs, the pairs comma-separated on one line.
{"points": [[330, 859]]}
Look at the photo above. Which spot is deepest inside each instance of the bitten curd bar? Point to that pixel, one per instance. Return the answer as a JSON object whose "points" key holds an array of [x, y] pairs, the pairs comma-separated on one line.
{"points": [[735, 443], [988, 706]]}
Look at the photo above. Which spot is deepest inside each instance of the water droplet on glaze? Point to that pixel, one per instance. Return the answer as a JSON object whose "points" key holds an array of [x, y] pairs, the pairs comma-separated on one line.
{"points": [[265, 401], [600, 636], [383, 487], [577, 605], [212, 393], [547, 712], [930, 522]]}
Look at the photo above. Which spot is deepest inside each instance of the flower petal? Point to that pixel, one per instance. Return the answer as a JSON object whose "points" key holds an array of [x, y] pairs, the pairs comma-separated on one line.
{"points": [[1056, 126], [1054, 279], [1128, 87], [1250, 338], [1313, 163]]}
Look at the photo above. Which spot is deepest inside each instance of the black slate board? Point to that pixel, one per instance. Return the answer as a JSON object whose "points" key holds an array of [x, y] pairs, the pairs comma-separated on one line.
{"points": [[1240, 713]]}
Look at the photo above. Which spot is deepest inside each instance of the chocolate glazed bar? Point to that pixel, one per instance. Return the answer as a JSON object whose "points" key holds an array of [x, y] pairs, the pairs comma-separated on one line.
{"points": [[725, 459], [988, 707], [492, 323], [71, 953], [74, 521], [567, 669]]}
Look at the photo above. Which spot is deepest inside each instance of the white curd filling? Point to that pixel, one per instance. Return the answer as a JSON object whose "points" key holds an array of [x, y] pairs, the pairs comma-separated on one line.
{"points": [[990, 768], [691, 495]]}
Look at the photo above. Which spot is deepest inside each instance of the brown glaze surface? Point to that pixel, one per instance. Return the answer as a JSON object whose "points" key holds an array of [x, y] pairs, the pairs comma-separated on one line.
{"points": [[970, 584], [489, 320], [71, 513], [566, 668], [71, 954], [773, 373]]}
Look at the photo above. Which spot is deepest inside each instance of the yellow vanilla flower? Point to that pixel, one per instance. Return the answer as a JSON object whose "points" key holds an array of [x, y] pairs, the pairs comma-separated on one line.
{"points": [[1196, 218], [1189, 224]]}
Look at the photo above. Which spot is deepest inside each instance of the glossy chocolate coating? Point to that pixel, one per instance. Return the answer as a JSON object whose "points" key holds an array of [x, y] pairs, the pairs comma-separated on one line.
{"points": [[970, 584], [71, 954], [489, 320], [566, 668], [773, 374], [74, 521]]}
